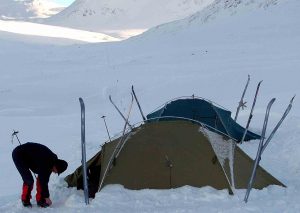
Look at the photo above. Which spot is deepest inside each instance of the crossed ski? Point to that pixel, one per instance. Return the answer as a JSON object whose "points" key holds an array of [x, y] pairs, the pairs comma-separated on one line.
{"points": [[263, 144], [120, 143], [126, 120]]}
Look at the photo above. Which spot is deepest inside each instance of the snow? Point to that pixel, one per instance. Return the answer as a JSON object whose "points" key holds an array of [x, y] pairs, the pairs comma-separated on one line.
{"points": [[28, 9], [41, 30], [41, 82], [124, 18]]}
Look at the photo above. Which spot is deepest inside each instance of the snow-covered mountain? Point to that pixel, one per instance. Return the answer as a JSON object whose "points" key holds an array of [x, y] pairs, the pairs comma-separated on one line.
{"points": [[219, 10], [208, 54], [114, 16], [25, 9]]}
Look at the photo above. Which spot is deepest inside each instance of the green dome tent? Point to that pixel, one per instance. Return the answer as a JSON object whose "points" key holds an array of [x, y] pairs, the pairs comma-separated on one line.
{"points": [[213, 117]]}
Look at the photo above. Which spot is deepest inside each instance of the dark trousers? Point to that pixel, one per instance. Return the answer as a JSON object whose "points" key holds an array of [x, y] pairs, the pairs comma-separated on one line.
{"points": [[21, 166]]}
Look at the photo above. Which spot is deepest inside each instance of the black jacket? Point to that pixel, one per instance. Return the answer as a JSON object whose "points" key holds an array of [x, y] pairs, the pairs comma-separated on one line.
{"points": [[40, 160]]}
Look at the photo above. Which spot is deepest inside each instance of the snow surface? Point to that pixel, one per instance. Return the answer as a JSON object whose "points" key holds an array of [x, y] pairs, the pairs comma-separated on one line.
{"points": [[55, 32], [124, 18], [40, 84], [28, 9]]}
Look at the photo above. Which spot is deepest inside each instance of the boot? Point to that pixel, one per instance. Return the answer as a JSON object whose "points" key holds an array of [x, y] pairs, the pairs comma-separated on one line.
{"points": [[42, 203]]}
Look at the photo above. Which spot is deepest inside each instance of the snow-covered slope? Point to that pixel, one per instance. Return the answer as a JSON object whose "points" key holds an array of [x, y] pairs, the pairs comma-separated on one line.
{"points": [[219, 10], [18, 30], [40, 85], [24, 9], [125, 17]]}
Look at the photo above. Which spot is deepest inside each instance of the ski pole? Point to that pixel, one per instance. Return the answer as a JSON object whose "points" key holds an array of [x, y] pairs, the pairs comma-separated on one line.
{"points": [[103, 117], [15, 133], [242, 103]]}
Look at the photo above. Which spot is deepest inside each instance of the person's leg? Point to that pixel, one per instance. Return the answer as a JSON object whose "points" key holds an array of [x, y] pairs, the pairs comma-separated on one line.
{"points": [[41, 202], [38, 195], [26, 176]]}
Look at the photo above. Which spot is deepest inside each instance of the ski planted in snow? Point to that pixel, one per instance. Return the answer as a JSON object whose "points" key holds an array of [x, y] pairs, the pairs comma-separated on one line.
{"points": [[262, 145], [242, 103], [251, 112], [118, 147], [83, 152], [286, 112], [111, 101], [124, 139], [138, 103]]}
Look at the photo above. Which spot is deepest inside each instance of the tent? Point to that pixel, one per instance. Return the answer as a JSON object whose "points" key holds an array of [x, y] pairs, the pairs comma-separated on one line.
{"points": [[164, 154], [204, 111]]}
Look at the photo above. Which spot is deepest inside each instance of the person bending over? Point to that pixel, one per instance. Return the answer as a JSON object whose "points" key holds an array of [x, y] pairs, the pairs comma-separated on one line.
{"points": [[42, 161]]}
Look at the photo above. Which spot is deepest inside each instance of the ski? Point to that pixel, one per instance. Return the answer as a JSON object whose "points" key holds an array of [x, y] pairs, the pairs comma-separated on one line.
{"points": [[110, 99], [286, 112], [83, 152], [124, 139], [138, 103], [242, 103], [251, 112], [259, 150], [118, 146], [262, 145]]}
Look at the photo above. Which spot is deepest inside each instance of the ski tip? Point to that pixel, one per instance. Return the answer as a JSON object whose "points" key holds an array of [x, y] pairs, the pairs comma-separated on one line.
{"points": [[272, 101], [293, 98], [260, 82], [248, 77]]}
